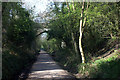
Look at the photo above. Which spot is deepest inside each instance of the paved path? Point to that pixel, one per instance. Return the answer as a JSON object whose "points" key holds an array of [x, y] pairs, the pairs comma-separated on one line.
{"points": [[45, 68]]}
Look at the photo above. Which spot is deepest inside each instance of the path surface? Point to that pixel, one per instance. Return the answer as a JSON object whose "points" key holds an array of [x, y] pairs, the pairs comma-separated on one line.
{"points": [[45, 68]]}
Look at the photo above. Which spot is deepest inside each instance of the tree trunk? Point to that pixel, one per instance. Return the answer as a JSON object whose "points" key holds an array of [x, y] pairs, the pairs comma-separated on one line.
{"points": [[73, 5], [72, 35], [111, 35], [74, 43], [73, 38], [68, 6], [80, 37]]}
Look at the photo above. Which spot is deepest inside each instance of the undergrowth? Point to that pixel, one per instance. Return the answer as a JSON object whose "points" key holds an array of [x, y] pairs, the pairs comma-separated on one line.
{"points": [[13, 62], [97, 68], [67, 59], [102, 68]]}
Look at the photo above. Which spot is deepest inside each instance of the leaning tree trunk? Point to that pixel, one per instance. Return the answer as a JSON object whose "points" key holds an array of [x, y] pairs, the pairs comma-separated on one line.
{"points": [[80, 36], [72, 34], [73, 37], [74, 43]]}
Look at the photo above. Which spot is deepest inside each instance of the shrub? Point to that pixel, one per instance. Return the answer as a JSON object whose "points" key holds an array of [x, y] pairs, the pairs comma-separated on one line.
{"points": [[14, 62], [109, 68]]}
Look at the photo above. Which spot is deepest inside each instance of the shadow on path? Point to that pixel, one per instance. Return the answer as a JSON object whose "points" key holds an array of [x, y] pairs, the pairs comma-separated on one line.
{"points": [[45, 68]]}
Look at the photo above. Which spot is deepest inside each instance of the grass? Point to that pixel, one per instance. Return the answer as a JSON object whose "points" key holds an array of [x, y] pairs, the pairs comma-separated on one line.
{"points": [[102, 68], [108, 67], [96, 66]]}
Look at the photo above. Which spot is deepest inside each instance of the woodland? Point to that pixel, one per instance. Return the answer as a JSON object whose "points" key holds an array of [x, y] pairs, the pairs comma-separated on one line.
{"points": [[83, 37]]}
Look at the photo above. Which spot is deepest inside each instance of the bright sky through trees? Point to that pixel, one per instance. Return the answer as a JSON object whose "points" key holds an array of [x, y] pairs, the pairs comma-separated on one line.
{"points": [[81, 36], [40, 5]]}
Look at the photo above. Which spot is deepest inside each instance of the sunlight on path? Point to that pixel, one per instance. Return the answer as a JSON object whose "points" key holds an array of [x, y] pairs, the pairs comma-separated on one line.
{"points": [[46, 68]]}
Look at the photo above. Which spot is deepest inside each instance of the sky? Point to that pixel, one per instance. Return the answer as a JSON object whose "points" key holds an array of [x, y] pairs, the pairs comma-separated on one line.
{"points": [[40, 5]]}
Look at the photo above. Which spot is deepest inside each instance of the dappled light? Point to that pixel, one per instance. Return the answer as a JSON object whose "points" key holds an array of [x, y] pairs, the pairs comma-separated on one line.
{"points": [[60, 39], [46, 68]]}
